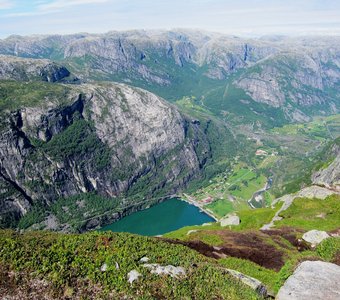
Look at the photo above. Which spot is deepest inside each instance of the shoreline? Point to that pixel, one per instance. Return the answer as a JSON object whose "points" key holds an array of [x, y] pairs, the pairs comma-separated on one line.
{"points": [[186, 198], [133, 208]]}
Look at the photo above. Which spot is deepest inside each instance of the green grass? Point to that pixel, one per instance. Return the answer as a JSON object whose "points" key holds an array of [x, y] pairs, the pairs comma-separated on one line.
{"points": [[69, 261], [268, 198], [329, 248], [255, 218], [308, 214], [220, 207], [248, 186], [266, 276], [231, 189], [316, 129], [181, 233], [15, 95], [210, 239]]}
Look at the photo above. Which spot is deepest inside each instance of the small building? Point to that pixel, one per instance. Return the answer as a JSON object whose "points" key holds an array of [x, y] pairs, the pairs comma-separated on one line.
{"points": [[207, 200], [260, 152]]}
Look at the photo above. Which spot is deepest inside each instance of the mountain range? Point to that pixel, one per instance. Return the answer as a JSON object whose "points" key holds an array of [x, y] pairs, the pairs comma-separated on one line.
{"points": [[95, 127]]}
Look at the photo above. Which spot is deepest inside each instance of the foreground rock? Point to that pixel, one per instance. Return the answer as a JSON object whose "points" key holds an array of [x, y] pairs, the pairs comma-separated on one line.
{"points": [[255, 284], [230, 220], [174, 272], [133, 276], [315, 237], [312, 280]]}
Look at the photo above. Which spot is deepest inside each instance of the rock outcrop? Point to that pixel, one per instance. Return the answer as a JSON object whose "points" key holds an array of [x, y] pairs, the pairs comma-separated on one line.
{"points": [[315, 237], [16, 68], [253, 283], [231, 219], [330, 176], [315, 280]]}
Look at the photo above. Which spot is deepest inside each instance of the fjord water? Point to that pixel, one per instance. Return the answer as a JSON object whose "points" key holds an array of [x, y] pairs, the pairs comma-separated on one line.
{"points": [[161, 218]]}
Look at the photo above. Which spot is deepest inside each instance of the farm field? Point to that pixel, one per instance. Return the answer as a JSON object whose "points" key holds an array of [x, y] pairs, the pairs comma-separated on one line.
{"points": [[230, 190]]}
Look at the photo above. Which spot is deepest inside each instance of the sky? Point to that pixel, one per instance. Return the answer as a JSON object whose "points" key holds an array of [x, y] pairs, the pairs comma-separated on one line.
{"points": [[237, 17]]}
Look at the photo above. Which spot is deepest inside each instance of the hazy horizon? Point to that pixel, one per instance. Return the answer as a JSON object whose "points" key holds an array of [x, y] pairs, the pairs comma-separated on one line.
{"points": [[259, 36], [250, 18]]}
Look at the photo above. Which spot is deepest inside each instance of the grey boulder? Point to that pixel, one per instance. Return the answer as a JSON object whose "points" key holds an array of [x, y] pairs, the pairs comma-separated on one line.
{"points": [[312, 280]]}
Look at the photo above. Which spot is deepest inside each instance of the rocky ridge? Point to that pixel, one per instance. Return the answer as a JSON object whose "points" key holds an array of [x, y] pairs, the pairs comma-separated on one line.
{"points": [[23, 69], [298, 75]]}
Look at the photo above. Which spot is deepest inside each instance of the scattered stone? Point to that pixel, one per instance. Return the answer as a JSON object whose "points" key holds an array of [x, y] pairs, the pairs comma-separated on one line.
{"points": [[117, 266], [321, 216], [219, 254], [174, 272], [315, 237], [103, 268], [217, 248], [255, 284], [230, 220], [133, 275], [144, 259], [206, 224], [312, 280], [191, 231]]}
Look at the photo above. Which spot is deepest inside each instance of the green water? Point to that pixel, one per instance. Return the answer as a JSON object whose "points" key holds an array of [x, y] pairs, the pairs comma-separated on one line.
{"points": [[161, 218]]}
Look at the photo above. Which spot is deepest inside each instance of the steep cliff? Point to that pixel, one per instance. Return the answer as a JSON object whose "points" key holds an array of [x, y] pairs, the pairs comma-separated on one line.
{"points": [[296, 82], [108, 140]]}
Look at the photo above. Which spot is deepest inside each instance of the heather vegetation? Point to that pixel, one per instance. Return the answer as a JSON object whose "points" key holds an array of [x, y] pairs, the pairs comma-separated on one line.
{"points": [[72, 265]]}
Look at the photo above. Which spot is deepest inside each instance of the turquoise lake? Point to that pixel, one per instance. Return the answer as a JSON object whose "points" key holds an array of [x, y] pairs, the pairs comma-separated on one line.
{"points": [[160, 218]]}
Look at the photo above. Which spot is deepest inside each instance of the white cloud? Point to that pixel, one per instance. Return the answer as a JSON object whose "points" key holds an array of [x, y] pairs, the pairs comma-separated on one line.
{"points": [[44, 7], [6, 4], [229, 16], [58, 5]]}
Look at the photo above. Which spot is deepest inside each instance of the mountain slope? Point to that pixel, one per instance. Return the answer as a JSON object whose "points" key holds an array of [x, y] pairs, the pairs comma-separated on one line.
{"points": [[123, 146], [289, 78]]}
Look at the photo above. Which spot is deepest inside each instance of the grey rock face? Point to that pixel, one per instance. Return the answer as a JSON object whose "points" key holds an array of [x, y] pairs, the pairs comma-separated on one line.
{"points": [[301, 77], [137, 133], [315, 280]]}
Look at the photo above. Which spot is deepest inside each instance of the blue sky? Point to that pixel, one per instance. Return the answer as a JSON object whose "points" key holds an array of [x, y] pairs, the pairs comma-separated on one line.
{"points": [[238, 17]]}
